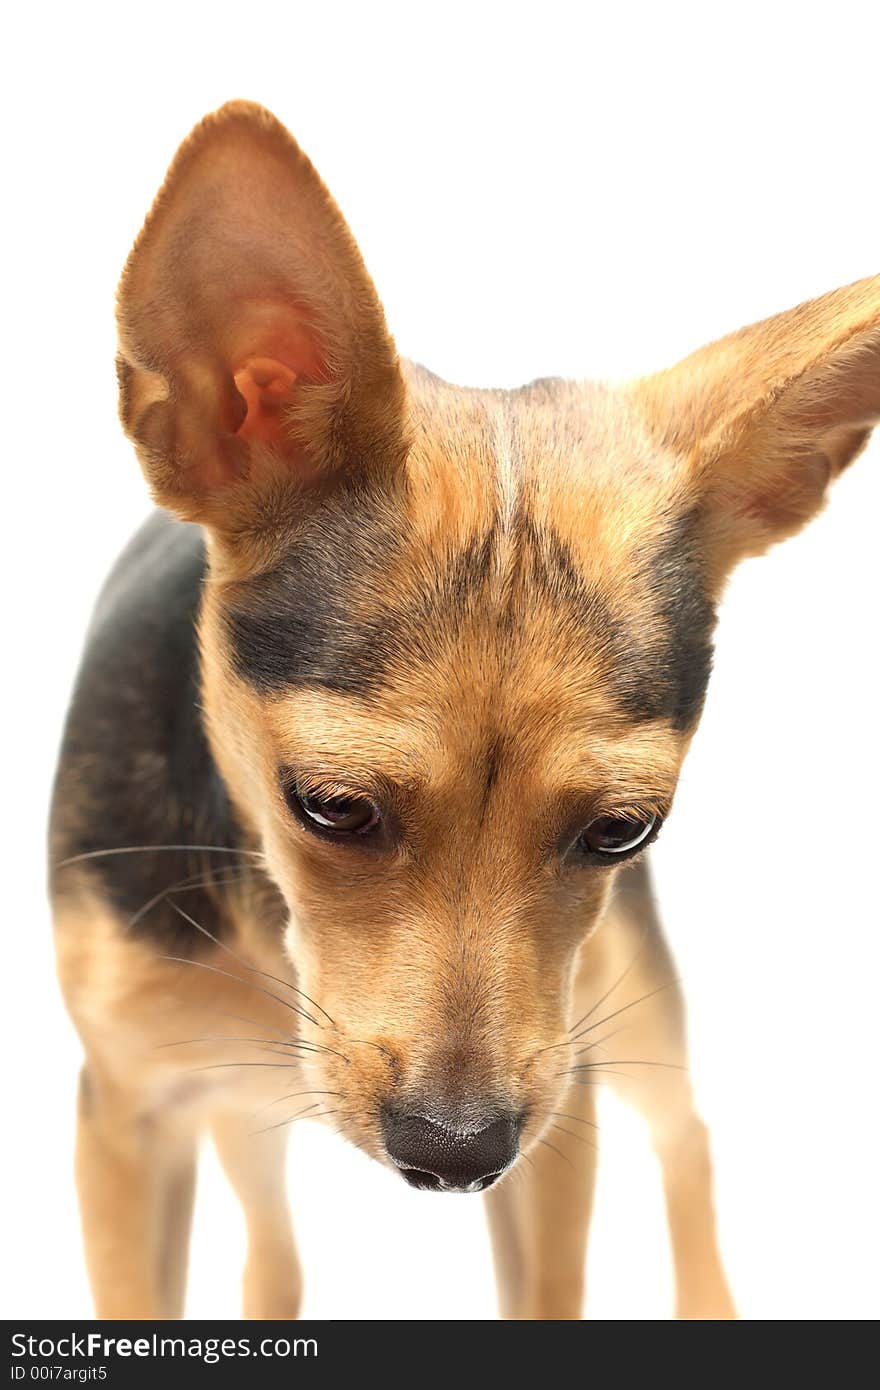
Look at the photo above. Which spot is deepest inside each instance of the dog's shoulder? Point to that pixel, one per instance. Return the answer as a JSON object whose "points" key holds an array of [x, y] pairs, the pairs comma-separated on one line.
{"points": [[135, 768]]}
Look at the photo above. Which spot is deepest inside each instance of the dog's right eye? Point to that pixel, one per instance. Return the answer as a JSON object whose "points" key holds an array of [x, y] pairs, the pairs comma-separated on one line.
{"points": [[336, 815]]}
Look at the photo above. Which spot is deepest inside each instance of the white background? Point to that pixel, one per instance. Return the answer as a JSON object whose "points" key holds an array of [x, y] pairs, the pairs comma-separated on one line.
{"points": [[537, 189]]}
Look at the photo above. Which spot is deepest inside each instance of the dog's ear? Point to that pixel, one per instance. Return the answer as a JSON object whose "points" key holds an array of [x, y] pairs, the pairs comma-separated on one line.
{"points": [[766, 418], [254, 359]]}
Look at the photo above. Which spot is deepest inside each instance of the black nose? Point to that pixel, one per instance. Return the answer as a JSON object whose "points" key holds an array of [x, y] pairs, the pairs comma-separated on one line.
{"points": [[446, 1158]]}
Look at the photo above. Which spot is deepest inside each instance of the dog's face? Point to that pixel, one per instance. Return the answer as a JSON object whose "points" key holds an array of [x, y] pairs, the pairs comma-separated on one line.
{"points": [[451, 710], [455, 642]]}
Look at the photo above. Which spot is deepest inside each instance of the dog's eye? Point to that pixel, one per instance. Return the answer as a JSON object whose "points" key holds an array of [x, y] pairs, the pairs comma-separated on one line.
{"points": [[615, 835], [350, 815]]}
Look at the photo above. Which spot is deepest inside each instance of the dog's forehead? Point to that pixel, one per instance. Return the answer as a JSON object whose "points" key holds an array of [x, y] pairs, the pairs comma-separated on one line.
{"points": [[508, 739], [573, 456], [534, 554]]}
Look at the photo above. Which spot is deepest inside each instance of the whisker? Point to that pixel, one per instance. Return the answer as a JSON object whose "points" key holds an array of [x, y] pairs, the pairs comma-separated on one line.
{"points": [[552, 1047], [553, 1148], [248, 984], [579, 1118], [572, 1042], [624, 1062], [227, 1037], [301, 1114], [617, 982], [305, 1044], [581, 1138], [185, 885], [220, 1066], [295, 1095], [153, 849], [368, 1042], [281, 1123], [623, 1009], [257, 1022], [254, 970], [310, 1049], [606, 1037]]}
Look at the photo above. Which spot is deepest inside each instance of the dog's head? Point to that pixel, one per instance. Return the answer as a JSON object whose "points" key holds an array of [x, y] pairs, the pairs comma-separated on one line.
{"points": [[455, 643]]}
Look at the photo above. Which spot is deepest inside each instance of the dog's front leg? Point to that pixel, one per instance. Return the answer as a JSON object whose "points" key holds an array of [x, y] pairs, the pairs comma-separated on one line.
{"points": [[539, 1216], [653, 1077], [255, 1165], [135, 1175]]}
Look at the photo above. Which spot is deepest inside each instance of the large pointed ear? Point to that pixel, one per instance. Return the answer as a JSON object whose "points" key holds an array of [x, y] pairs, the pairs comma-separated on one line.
{"points": [[766, 418], [254, 359]]}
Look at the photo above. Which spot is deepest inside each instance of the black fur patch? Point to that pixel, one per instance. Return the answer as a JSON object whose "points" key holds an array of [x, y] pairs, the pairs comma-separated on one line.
{"points": [[135, 768], [669, 660], [296, 625]]}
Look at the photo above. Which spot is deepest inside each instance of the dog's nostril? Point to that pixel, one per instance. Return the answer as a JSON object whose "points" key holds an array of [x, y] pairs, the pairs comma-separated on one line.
{"points": [[417, 1177], [488, 1180], [440, 1157], [430, 1182]]}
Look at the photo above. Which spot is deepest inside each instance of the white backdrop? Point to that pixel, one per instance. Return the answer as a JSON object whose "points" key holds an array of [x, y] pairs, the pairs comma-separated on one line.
{"points": [[537, 189]]}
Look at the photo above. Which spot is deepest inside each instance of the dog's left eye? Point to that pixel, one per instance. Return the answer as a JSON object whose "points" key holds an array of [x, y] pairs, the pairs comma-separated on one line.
{"points": [[337, 815], [609, 837]]}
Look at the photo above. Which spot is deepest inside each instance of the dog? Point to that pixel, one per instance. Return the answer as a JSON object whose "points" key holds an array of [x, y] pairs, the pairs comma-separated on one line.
{"points": [[376, 721]]}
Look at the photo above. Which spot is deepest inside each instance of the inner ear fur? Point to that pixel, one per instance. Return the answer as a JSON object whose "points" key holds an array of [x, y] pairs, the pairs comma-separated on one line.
{"points": [[764, 419], [254, 359]]}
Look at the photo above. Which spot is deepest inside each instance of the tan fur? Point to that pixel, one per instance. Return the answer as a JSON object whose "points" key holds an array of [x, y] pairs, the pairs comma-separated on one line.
{"points": [[258, 382]]}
